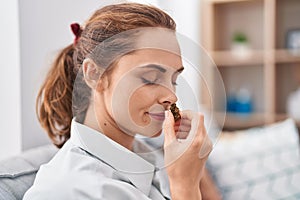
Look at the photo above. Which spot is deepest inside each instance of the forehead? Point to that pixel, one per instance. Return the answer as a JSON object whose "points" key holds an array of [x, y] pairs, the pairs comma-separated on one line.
{"points": [[157, 46], [158, 38], [168, 60]]}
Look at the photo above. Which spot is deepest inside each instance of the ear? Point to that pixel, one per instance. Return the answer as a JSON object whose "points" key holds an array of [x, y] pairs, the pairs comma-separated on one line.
{"points": [[92, 73]]}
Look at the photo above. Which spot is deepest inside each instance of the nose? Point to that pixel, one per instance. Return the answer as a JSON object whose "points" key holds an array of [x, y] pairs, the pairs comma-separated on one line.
{"points": [[167, 97]]}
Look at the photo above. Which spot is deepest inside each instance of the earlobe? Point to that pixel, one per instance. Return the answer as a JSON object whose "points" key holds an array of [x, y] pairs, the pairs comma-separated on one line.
{"points": [[92, 73]]}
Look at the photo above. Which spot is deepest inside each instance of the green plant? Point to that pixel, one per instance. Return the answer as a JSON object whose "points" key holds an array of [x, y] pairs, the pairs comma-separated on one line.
{"points": [[240, 38]]}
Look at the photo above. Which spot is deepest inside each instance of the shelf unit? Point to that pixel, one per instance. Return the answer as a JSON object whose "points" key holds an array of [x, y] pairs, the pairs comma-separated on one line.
{"points": [[270, 71]]}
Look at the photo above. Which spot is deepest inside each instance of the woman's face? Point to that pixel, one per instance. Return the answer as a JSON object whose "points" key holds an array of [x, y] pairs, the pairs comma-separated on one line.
{"points": [[141, 87]]}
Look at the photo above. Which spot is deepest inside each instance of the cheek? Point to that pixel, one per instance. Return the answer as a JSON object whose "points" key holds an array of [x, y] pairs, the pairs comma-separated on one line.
{"points": [[140, 101], [142, 97]]}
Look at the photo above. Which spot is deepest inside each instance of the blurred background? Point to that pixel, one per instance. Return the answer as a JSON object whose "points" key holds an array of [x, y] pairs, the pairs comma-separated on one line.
{"points": [[254, 43]]}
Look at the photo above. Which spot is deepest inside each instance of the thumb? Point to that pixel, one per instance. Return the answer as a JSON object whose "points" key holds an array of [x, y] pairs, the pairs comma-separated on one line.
{"points": [[168, 127]]}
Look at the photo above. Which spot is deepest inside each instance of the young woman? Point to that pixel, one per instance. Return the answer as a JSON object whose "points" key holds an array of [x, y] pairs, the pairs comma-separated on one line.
{"points": [[114, 84]]}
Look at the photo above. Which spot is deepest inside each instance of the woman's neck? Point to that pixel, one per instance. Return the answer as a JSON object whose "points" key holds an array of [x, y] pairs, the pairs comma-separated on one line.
{"points": [[107, 126]]}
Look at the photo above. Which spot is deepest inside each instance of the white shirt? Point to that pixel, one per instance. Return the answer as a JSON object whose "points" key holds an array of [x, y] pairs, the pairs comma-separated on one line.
{"points": [[92, 166]]}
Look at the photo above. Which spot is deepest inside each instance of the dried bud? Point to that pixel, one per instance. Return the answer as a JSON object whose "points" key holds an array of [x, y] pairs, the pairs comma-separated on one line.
{"points": [[175, 111]]}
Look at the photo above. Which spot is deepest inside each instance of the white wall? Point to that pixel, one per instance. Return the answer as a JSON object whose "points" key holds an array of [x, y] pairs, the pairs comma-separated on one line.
{"points": [[10, 117], [187, 16]]}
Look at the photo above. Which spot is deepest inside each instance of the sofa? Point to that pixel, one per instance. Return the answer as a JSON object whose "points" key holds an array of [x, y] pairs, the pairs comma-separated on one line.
{"points": [[258, 163], [18, 173]]}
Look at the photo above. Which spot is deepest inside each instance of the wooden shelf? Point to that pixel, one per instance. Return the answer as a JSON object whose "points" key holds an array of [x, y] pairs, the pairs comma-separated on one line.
{"points": [[243, 121], [230, 59], [269, 70], [285, 56], [239, 121], [254, 57]]}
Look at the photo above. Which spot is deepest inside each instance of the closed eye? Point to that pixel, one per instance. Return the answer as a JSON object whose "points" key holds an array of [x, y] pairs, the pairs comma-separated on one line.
{"points": [[149, 82]]}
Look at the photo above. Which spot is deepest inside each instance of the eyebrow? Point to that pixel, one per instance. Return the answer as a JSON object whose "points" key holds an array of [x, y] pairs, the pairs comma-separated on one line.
{"points": [[160, 68]]}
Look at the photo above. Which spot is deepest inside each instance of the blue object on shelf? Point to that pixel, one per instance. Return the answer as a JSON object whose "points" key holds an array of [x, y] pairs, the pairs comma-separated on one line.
{"points": [[240, 102], [231, 103], [243, 107]]}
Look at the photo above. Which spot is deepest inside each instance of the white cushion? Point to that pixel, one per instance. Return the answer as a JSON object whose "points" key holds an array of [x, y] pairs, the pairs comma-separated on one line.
{"points": [[258, 163]]}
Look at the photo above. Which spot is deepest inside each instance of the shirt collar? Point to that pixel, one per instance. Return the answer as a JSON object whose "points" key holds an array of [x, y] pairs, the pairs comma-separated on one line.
{"points": [[139, 171]]}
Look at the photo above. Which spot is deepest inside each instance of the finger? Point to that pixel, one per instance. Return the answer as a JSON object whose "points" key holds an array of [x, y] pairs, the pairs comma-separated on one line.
{"points": [[168, 127], [178, 122], [206, 147], [176, 128], [182, 134], [184, 122], [201, 128], [184, 128], [187, 114], [195, 118]]}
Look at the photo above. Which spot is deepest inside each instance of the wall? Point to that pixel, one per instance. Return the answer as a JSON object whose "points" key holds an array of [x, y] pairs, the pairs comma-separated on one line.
{"points": [[10, 117]]}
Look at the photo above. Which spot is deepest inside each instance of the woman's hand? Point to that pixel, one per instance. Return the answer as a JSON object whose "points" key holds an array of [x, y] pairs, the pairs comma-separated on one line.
{"points": [[187, 147]]}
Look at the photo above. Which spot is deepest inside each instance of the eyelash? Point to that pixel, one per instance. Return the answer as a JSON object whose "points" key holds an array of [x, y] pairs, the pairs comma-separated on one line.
{"points": [[147, 82]]}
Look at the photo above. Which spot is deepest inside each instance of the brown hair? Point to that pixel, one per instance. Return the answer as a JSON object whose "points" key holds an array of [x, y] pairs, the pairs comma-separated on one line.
{"points": [[54, 101]]}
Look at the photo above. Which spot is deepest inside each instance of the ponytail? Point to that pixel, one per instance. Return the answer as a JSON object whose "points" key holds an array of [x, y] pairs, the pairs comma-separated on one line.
{"points": [[54, 100]]}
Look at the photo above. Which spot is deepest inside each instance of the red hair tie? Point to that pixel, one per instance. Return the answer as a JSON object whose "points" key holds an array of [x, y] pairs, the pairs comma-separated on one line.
{"points": [[76, 30]]}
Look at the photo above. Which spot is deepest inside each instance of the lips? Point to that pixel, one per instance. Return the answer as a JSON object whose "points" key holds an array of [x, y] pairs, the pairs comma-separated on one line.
{"points": [[158, 116]]}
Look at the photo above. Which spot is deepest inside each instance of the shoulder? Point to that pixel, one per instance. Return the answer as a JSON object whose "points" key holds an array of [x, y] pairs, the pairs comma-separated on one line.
{"points": [[72, 164], [75, 174], [94, 188]]}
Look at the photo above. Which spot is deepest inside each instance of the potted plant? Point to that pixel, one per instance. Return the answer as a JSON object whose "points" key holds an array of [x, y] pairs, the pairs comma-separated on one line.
{"points": [[240, 45]]}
